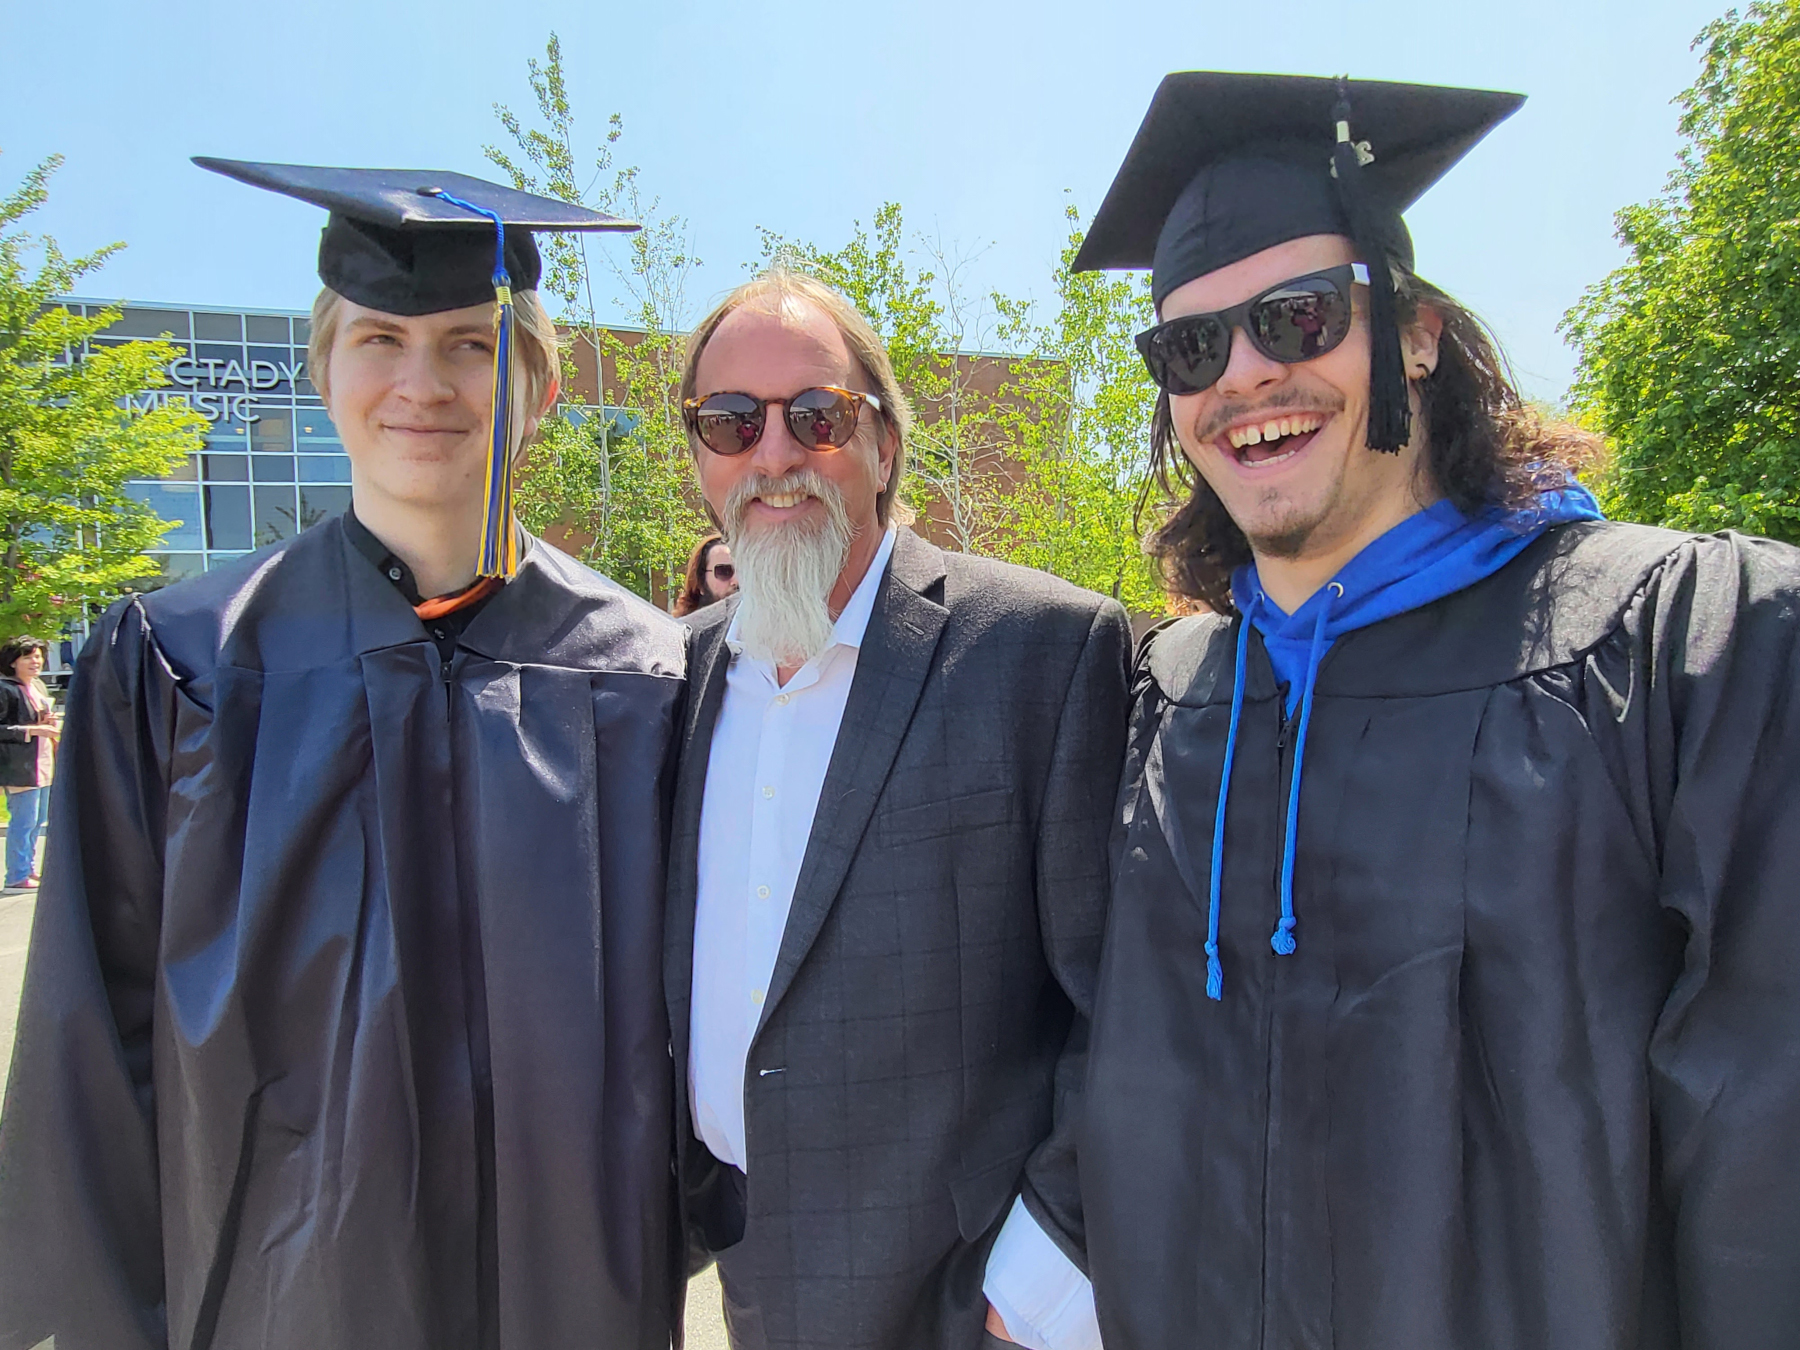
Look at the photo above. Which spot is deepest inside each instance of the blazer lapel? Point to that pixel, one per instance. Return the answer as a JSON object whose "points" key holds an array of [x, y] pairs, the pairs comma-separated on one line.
{"points": [[891, 669], [709, 659]]}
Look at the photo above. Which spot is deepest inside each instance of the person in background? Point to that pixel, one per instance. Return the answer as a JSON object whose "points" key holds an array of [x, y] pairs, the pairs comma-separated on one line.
{"points": [[28, 734], [710, 575]]}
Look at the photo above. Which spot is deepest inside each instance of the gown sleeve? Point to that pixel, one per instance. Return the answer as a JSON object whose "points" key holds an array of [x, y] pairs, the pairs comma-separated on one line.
{"points": [[80, 1244], [1072, 894], [1724, 739]]}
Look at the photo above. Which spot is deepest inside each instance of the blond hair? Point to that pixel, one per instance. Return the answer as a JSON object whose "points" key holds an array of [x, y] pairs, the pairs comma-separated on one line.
{"points": [[537, 356], [780, 291]]}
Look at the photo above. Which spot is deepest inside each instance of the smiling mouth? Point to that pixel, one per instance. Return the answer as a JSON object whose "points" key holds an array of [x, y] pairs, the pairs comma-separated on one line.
{"points": [[1255, 444], [783, 500]]}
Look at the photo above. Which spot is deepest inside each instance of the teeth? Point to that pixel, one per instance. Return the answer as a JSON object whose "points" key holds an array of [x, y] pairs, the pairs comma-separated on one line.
{"points": [[1274, 430], [784, 500]]}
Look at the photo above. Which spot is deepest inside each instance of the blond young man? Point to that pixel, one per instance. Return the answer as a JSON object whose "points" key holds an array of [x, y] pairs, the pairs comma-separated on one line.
{"points": [[340, 1023]]}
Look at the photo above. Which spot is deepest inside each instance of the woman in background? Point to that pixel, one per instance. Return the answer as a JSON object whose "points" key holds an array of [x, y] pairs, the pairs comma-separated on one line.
{"points": [[711, 575], [28, 732]]}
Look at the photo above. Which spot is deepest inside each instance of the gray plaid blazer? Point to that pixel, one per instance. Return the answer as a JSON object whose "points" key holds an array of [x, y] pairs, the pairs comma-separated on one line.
{"points": [[922, 1047]]}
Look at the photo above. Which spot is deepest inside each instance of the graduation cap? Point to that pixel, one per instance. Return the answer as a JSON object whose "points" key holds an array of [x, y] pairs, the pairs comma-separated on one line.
{"points": [[413, 241], [1227, 165]]}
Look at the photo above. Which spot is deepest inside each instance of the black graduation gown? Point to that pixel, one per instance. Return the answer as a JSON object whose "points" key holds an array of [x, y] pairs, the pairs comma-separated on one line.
{"points": [[1532, 1077], [342, 1022]]}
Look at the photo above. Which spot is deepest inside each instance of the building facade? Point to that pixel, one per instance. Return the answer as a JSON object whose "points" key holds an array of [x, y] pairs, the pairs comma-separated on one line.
{"points": [[272, 464]]}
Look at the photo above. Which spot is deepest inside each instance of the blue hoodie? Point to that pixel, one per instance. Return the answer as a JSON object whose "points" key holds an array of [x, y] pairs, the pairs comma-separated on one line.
{"points": [[1429, 555]]}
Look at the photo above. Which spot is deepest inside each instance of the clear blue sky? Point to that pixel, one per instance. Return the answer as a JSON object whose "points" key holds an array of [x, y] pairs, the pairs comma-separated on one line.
{"points": [[804, 117]]}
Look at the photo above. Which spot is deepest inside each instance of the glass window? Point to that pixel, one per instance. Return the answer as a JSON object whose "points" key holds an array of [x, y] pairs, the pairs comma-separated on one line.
{"points": [[226, 327], [275, 514], [273, 429], [150, 323], [221, 437], [272, 468], [265, 328], [186, 471], [227, 517], [172, 501], [302, 331], [324, 468], [318, 502], [228, 468], [235, 427], [220, 559], [314, 425], [170, 568], [216, 351]]}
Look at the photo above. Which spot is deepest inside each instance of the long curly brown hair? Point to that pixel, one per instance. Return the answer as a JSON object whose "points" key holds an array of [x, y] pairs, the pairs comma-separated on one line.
{"points": [[1485, 446]]}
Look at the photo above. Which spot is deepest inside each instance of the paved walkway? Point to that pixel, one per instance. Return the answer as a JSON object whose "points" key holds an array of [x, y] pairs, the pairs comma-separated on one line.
{"points": [[15, 930]]}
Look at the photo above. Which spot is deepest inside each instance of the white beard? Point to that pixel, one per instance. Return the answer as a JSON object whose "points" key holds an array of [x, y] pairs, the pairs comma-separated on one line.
{"points": [[785, 573]]}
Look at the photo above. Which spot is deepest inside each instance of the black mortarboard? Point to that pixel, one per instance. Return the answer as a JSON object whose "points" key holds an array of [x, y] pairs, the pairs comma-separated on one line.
{"points": [[396, 242], [1226, 165], [415, 241]]}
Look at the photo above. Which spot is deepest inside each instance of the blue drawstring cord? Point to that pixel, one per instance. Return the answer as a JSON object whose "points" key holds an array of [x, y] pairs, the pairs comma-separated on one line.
{"points": [[1282, 940], [1215, 975]]}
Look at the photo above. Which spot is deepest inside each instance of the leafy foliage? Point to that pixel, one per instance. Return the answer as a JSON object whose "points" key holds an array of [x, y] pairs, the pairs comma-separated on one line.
{"points": [[1690, 352], [1080, 426], [70, 438], [933, 329], [1036, 455], [620, 483]]}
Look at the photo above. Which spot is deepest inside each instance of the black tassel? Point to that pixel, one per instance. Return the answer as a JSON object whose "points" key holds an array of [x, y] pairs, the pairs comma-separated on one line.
{"points": [[1390, 412]]}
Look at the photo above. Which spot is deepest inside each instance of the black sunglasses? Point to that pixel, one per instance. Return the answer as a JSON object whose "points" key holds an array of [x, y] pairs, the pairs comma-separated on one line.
{"points": [[823, 418], [723, 571], [1293, 321]]}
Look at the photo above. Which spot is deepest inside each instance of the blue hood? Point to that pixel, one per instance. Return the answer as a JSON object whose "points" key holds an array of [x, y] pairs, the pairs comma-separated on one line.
{"points": [[1429, 555]]}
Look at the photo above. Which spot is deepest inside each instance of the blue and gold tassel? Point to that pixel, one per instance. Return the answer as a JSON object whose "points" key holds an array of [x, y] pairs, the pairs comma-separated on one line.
{"points": [[499, 541]]}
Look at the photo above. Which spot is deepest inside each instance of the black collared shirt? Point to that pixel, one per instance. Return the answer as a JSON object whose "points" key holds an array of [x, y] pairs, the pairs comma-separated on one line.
{"points": [[446, 628]]}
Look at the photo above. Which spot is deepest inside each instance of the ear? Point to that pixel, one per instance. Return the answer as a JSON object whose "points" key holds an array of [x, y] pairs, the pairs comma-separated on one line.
{"points": [[885, 450], [531, 422], [1419, 342]]}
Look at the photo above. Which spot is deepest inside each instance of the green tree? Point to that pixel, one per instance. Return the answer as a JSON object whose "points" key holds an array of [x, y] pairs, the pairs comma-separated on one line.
{"points": [[620, 480], [1031, 436], [70, 437], [934, 328], [1690, 352], [1078, 420]]}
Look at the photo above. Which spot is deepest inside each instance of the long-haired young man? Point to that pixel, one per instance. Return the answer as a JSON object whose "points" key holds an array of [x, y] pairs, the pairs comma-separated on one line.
{"points": [[1448, 996]]}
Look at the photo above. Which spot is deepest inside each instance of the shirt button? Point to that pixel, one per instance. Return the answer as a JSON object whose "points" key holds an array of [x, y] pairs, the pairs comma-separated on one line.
{"points": [[756, 997], [768, 791], [393, 574], [781, 700], [762, 892]]}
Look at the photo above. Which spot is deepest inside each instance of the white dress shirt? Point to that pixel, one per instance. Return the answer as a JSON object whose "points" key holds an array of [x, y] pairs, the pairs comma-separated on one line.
{"points": [[770, 749]]}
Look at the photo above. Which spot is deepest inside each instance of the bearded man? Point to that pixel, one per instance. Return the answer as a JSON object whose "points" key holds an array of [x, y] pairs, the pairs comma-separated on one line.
{"points": [[1449, 995], [887, 876]]}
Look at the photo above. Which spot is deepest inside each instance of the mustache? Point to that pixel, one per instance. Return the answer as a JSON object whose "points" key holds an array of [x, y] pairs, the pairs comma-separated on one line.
{"points": [[746, 490], [1226, 414]]}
